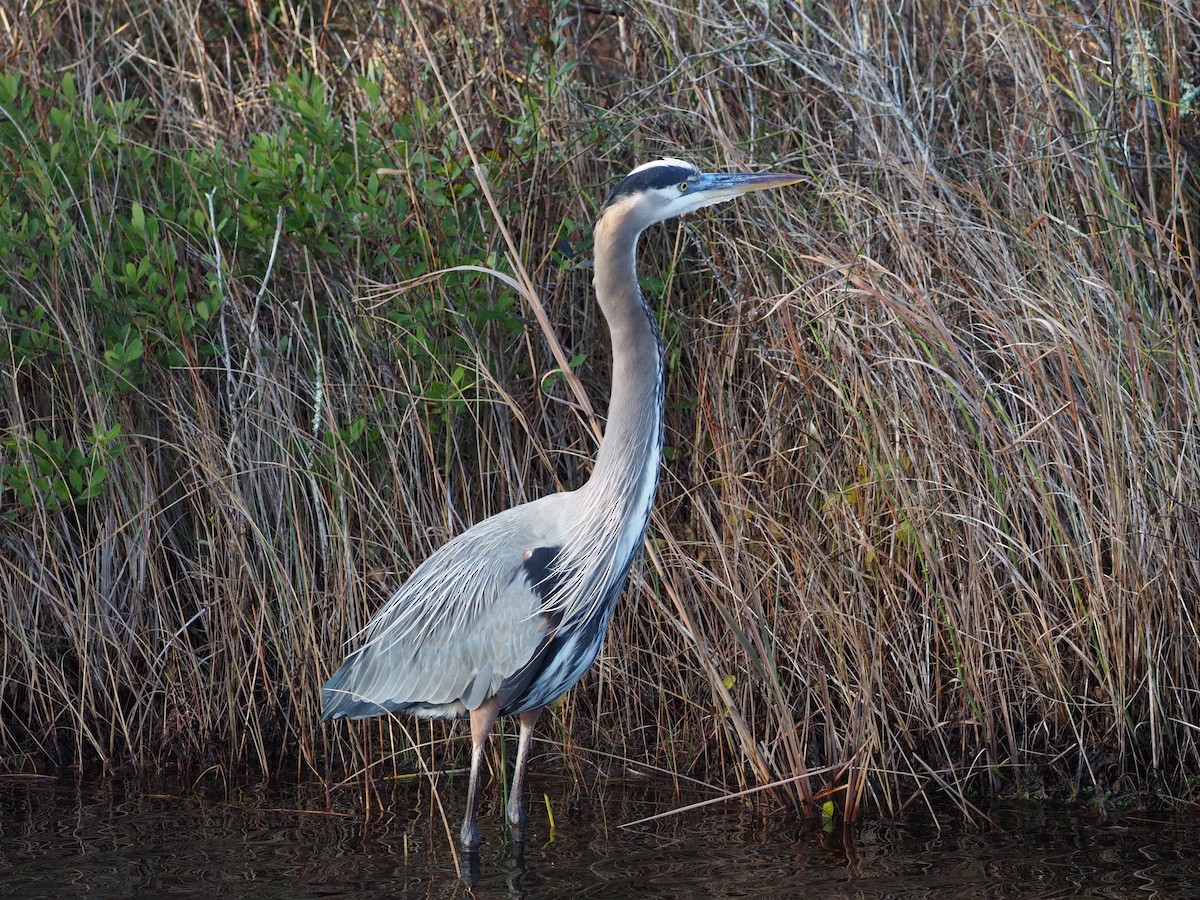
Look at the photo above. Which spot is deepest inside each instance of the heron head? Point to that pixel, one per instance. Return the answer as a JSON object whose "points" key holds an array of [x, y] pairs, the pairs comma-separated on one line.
{"points": [[666, 188]]}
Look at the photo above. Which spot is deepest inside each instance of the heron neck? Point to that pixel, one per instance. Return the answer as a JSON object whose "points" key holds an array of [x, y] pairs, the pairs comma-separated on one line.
{"points": [[628, 459]]}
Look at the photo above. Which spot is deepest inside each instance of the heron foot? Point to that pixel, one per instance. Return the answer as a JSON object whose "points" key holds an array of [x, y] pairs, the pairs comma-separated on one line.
{"points": [[469, 870]]}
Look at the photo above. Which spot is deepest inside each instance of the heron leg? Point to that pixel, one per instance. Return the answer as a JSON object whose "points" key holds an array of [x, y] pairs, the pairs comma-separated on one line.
{"points": [[483, 718], [516, 797]]}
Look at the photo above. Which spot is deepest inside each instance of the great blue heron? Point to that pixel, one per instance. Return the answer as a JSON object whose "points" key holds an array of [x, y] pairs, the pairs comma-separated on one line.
{"points": [[506, 617]]}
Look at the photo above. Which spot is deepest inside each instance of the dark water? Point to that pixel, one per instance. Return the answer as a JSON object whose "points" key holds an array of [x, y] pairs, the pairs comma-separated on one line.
{"points": [[63, 839]]}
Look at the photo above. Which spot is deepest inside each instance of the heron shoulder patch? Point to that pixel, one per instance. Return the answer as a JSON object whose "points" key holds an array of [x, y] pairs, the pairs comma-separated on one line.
{"points": [[542, 578], [538, 568]]}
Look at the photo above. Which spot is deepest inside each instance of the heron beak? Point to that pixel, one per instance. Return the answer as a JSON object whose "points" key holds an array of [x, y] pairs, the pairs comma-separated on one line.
{"points": [[715, 188]]}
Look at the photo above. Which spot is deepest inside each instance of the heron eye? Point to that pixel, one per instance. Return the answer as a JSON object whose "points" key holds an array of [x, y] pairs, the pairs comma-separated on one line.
{"points": [[683, 186]]}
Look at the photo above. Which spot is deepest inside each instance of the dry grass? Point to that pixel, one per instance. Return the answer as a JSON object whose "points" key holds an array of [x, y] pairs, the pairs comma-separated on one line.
{"points": [[929, 525]]}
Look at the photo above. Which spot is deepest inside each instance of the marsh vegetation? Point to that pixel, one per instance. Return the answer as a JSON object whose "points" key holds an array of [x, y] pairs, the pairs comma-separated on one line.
{"points": [[928, 525]]}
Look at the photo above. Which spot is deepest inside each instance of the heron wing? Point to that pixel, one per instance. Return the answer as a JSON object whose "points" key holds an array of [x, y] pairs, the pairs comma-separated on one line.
{"points": [[466, 619]]}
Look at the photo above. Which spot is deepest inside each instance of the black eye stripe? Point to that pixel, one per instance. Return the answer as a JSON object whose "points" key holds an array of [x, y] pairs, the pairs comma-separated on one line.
{"points": [[653, 177]]}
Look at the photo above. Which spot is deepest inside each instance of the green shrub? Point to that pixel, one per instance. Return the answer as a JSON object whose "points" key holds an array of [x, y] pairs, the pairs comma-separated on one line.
{"points": [[123, 254]]}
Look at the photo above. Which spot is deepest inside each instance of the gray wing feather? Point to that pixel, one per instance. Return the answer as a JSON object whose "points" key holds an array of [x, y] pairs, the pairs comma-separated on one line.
{"points": [[466, 619]]}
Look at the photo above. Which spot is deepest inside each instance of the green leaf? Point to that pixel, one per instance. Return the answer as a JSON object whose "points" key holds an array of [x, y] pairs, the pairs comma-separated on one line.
{"points": [[371, 89], [137, 218], [95, 483], [61, 491]]}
